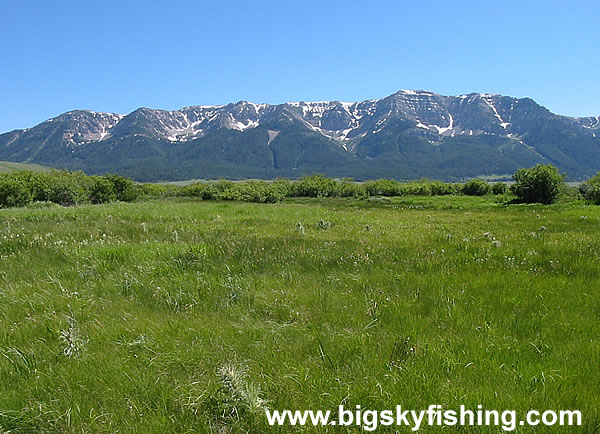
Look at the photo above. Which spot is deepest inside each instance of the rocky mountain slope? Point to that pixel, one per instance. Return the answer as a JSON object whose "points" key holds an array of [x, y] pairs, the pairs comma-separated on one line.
{"points": [[409, 134]]}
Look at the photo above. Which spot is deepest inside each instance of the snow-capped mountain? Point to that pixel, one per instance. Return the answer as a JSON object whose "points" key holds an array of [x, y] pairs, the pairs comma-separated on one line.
{"points": [[405, 135]]}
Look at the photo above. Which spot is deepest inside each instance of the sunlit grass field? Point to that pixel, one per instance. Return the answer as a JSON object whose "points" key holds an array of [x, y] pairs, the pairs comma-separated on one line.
{"points": [[132, 317], [9, 166]]}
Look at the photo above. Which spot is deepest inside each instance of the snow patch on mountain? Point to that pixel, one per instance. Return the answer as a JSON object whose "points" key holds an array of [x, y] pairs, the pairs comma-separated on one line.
{"points": [[489, 101], [442, 130], [592, 122]]}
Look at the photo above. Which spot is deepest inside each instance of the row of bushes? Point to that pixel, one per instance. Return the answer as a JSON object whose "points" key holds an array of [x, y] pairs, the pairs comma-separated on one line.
{"points": [[320, 186], [247, 191], [541, 184], [63, 188]]}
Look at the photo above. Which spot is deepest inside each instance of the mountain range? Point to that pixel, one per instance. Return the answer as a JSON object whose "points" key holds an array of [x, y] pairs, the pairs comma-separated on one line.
{"points": [[407, 135]]}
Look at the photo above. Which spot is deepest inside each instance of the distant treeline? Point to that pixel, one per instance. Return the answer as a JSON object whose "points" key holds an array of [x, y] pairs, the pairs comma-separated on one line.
{"points": [[542, 183], [320, 186]]}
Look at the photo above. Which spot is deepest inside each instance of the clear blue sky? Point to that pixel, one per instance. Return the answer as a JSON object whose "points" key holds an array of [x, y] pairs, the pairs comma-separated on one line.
{"points": [[119, 55]]}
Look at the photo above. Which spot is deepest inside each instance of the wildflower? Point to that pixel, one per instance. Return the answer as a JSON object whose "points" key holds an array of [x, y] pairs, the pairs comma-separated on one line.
{"points": [[73, 341], [323, 224]]}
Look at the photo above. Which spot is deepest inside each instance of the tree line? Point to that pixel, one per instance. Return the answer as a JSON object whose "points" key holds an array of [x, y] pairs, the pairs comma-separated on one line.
{"points": [[540, 184]]}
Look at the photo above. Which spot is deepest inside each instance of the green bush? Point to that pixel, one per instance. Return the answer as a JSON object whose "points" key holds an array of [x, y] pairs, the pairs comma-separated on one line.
{"points": [[540, 184], [68, 188], [153, 190], [157, 190], [246, 191], [278, 190], [383, 187], [40, 184], [590, 190], [569, 193], [504, 198], [58, 186], [202, 190], [476, 187], [64, 188], [125, 190], [350, 188], [442, 188], [73, 188], [222, 185], [13, 192], [102, 190], [315, 186], [499, 188], [415, 189]]}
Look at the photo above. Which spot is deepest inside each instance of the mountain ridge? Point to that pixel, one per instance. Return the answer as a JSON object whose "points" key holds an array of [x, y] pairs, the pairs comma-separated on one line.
{"points": [[409, 134]]}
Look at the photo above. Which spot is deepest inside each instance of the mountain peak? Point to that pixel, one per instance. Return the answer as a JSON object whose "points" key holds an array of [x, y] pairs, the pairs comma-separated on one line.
{"points": [[409, 133]]}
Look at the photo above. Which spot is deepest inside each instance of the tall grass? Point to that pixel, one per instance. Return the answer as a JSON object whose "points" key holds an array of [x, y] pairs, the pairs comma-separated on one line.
{"points": [[181, 315]]}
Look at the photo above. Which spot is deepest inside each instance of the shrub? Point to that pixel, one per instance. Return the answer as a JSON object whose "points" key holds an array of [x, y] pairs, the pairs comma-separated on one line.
{"points": [[124, 188], [569, 193], [383, 187], [274, 192], [442, 188], [240, 192], [590, 190], [540, 184], [246, 191], [202, 190], [67, 188], [13, 192], [40, 184], [499, 188], [476, 187], [458, 186], [284, 186], [153, 190], [252, 191], [315, 186], [102, 190], [222, 185], [64, 188], [349, 188], [415, 189], [504, 198]]}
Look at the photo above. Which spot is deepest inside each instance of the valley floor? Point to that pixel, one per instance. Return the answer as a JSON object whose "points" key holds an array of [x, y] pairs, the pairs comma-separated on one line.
{"points": [[175, 316]]}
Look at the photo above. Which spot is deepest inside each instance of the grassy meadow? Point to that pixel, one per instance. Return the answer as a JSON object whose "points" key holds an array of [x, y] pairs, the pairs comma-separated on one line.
{"points": [[9, 166], [135, 317]]}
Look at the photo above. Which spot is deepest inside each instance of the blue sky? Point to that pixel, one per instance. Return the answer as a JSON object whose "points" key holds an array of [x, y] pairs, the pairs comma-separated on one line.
{"points": [[119, 55]]}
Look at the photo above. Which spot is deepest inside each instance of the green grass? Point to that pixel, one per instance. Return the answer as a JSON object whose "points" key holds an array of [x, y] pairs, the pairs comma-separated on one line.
{"points": [[8, 166], [126, 316]]}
